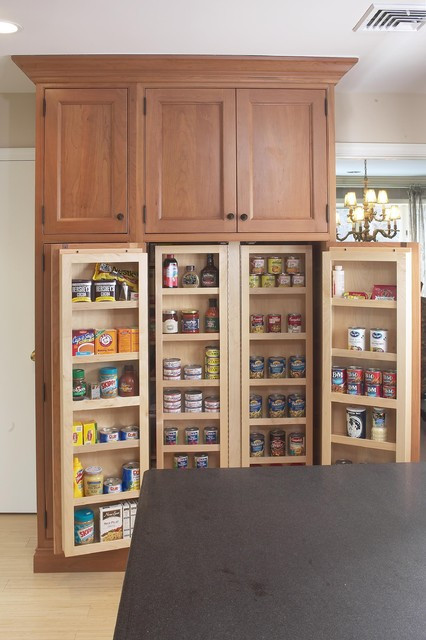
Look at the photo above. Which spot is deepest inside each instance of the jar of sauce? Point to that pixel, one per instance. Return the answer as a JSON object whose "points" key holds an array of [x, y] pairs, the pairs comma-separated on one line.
{"points": [[190, 321], [170, 321], [128, 383]]}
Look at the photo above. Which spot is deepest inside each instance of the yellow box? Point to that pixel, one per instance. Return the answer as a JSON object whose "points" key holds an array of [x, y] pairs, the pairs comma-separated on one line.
{"points": [[89, 432], [77, 434], [135, 339], [105, 341], [124, 340]]}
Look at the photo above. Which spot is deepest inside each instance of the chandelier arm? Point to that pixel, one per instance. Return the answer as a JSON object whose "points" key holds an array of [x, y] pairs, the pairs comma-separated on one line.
{"points": [[349, 233]]}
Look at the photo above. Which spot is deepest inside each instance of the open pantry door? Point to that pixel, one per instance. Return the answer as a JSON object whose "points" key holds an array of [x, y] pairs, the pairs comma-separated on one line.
{"points": [[105, 338]]}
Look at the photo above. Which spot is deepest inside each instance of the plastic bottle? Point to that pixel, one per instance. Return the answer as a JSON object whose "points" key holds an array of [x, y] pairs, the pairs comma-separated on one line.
{"points": [[127, 385], [212, 317], [170, 272], [78, 478], [209, 276], [338, 281]]}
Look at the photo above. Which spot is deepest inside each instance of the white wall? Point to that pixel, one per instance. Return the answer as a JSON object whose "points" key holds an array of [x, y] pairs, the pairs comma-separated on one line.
{"points": [[17, 120]]}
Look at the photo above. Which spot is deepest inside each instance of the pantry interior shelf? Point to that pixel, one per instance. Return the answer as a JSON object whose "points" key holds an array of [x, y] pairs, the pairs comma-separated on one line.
{"points": [[277, 336], [104, 306], [104, 447], [363, 442], [366, 304], [369, 401], [105, 403], [188, 448], [286, 291], [189, 291], [257, 422], [194, 384], [184, 337], [108, 357], [94, 547], [364, 355], [277, 382], [189, 416], [106, 497], [278, 460]]}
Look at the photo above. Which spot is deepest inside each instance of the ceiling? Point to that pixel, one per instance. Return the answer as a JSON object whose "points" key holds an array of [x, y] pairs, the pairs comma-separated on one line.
{"points": [[389, 62], [381, 167]]}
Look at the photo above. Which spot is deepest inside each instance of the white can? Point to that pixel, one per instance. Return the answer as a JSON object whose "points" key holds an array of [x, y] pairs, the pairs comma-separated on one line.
{"points": [[356, 338], [379, 340]]}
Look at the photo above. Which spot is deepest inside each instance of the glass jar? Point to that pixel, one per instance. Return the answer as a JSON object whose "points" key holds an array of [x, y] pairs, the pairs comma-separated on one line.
{"points": [[190, 278], [190, 321], [79, 387], [93, 481], [170, 321], [128, 383]]}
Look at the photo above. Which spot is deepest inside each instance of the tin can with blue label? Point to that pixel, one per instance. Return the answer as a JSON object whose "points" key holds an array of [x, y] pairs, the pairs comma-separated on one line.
{"points": [[257, 445], [129, 433], [180, 461], [192, 435], [276, 367], [276, 405], [356, 422], [355, 388], [201, 461], [297, 366], [255, 408], [296, 406], [356, 338], [112, 485], [131, 476], [171, 435], [108, 434], [338, 379], [210, 435], [257, 367]]}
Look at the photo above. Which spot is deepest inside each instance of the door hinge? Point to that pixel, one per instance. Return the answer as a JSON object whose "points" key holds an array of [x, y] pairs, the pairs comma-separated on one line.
{"points": [[45, 519], [43, 262], [42, 214], [326, 107], [44, 392], [144, 213], [326, 213], [144, 106], [44, 107]]}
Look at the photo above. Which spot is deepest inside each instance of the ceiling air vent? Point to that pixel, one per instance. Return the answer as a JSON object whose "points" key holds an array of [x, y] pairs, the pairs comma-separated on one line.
{"points": [[392, 17]]}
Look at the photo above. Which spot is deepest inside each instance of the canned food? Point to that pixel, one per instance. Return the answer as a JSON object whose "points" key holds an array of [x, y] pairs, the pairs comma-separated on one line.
{"points": [[298, 280], [257, 445], [373, 376], [194, 409], [277, 442], [373, 390], [210, 435], [356, 421], [355, 388], [275, 264], [81, 291], [338, 379], [255, 406], [389, 378], [296, 406], [212, 376], [267, 280], [297, 366], [257, 323], [180, 461], [212, 368], [356, 338], [292, 265], [201, 461], [257, 264], [131, 476], [172, 395], [172, 374], [294, 323], [211, 404], [355, 374], [112, 485], [379, 431], [171, 363], [129, 433], [192, 372], [109, 434], [283, 280], [212, 352], [379, 340], [274, 323], [254, 280], [389, 392], [193, 394], [190, 321], [276, 367], [192, 435], [173, 408], [195, 406], [171, 435], [211, 361], [276, 405], [257, 366], [296, 444]]}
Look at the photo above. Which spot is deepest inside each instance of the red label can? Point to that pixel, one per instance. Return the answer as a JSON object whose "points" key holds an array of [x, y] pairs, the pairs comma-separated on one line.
{"points": [[355, 388], [373, 376], [355, 375], [373, 390], [257, 323], [389, 378], [389, 392], [274, 323], [294, 322]]}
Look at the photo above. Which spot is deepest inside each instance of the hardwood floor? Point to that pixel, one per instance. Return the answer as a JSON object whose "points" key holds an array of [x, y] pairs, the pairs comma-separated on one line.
{"points": [[56, 606]]}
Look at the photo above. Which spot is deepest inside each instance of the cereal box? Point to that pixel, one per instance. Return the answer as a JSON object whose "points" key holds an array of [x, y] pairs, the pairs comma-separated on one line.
{"points": [[83, 342], [77, 434], [111, 523], [105, 341], [89, 432]]}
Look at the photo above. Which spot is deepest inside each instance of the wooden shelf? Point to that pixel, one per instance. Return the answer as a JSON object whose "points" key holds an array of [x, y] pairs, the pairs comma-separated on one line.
{"points": [[188, 416], [95, 547], [365, 304], [104, 447], [104, 306], [106, 497], [277, 460], [185, 337], [193, 384], [269, 422], [368, 401], [112, 403], [364, 355], [108, 357], [277, 382], [277, 336], [188, 448], [191, 291], [286, 291], [363, 442]]}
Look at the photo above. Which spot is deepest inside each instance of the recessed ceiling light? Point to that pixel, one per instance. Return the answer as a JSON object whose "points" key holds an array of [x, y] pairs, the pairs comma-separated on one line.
{"points": [[353, 171], [9, 27]]}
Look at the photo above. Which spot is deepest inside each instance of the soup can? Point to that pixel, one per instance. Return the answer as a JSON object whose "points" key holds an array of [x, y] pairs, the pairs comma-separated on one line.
{"points": [[171, 435], [276, 367], [373, 376], [389, 378], [112, 485], [389, 392], [257, 323], [201, 461], [268, 280], [210, 435], [192, 435], [378, 425], [296, 406], [180, 461], [296, 444], [257, 265], [274, 323], [354, 374], [356, 338], [355, 388], [255, 406], [294, 323], [131, 476], [257, 367], [338, 379], [212, 352], [109, 434], [292, 265], [277, 442], [254, 281], [276, 405], [275, 264], [297, 366], [257, 445], [129, 433], [192, 372], [379, 340], [298, 280], [283, 280], [356, 422], [373, 390]]}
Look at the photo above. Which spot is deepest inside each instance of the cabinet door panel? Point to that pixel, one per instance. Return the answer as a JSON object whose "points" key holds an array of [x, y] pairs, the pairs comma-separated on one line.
{"points": [[282, 160], [86, 161], [190, 160]]}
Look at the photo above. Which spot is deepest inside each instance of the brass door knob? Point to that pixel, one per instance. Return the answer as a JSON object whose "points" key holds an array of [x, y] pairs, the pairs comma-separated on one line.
{"points": [[32, 356]]}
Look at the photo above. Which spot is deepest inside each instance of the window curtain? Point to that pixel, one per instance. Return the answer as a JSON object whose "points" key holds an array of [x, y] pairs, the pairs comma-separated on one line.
{"points": [[417, 226]]}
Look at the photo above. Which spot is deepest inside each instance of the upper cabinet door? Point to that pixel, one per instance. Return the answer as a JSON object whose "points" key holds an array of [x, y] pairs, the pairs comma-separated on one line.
{"points": [[190, 161], [85, 188], [282, 160]]}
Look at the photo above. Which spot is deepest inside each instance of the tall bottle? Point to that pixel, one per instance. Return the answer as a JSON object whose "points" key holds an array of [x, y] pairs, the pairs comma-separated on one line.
{"points": [[78, 479], [209, 276], [338, 281], [212, 317], [170, 272]]}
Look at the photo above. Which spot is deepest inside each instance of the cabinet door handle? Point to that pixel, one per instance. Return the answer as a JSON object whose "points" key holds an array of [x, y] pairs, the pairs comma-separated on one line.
{"points": [[243, 217], [120, 216], [230, 216]]}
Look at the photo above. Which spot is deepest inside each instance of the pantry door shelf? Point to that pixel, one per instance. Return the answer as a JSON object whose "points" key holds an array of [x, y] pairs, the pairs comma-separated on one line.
{"points": [[105, 498], [104, 306], [186, 337], [190, 448], [192, 384], [277, 291], [106, 447], [105, 403], [368, 401], [108, 357], [363, 442], [189, 416], [277, 382], [277, 460], [364, 304], [96, 547], [364, 355], [277, 336], [258, 422], [191, 291]]}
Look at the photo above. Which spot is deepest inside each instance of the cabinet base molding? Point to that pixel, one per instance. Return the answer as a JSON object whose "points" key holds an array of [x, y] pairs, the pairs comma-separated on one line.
{"points": [[45, 561]]}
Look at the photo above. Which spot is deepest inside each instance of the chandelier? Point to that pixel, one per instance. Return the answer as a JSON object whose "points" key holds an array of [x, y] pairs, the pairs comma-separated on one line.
{"points": [[362, 215]]}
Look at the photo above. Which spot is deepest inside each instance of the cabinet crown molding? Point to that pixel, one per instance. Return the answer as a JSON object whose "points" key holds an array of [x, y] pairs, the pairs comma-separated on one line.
{"points": [[169, 68]]}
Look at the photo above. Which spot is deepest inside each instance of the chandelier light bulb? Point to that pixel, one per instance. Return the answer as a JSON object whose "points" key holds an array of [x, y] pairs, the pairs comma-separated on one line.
{"points": [[370, 196], [358, 214], [395, 213], [350, 199], [382, 197]]}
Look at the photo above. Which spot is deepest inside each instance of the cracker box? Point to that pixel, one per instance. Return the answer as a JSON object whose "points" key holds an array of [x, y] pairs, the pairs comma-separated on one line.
{"points": [[83, 342], [89, 432], [77, 434], [126, 519], [111, 523], [105, 341], [124, 336]]}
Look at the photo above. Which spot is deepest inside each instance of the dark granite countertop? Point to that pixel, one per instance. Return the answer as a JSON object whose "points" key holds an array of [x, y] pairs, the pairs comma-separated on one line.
{"points": [[321, 553]]}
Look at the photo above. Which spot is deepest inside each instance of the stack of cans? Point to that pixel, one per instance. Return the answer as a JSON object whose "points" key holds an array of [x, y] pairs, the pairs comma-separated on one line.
{"points": [[172, 401], [212, 404], [357, 382], [193, 401], [212, 363], [192, 372], [172, 369]]}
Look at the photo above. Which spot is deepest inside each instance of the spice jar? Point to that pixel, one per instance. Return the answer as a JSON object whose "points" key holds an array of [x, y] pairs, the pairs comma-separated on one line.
{"points": [[128, 382], [190, 321], [190, 278], [79, 387]]}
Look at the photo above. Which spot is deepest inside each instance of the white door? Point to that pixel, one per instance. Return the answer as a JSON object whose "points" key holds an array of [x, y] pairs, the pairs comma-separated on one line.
{"points": [[17, 398]]}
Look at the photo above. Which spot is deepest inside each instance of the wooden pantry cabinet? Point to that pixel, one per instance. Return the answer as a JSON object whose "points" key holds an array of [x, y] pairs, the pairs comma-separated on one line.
{"points": [[236, 160]]}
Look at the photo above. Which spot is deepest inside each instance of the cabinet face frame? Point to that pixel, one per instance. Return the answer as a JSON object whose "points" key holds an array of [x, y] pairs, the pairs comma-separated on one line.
{"points": [[192, 297], [286, 385], [397, 262], [79, 258]]}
